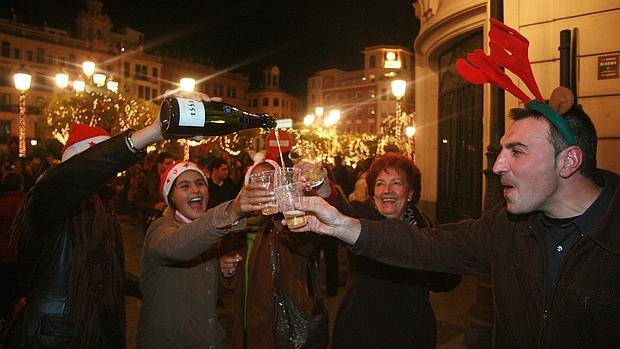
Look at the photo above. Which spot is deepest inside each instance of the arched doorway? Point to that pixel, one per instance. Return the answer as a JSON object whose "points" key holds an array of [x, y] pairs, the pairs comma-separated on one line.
{"points": [[460, 146]]}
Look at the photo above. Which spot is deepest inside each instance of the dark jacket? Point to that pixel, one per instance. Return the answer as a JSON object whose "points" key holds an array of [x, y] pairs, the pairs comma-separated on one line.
{"points": [[296, 250], [9, 203], [386, 306], [509, 250], [46, 256]]}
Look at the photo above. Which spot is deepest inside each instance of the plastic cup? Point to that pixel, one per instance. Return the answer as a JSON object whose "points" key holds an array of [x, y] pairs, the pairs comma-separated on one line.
{"points": [[266, 177], [288, 198]]}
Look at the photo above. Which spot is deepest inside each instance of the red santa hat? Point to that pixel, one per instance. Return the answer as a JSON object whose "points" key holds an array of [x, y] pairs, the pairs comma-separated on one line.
{"points": [[82, 137], [175, 170]]}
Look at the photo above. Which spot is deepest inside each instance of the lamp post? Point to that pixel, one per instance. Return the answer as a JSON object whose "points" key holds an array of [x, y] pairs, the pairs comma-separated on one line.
{"points": [[22, 83], [398, 90], [410, 133]]}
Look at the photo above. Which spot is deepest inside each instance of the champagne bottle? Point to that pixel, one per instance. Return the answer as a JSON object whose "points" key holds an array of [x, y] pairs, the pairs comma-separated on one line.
{"points": [[187, 117]]}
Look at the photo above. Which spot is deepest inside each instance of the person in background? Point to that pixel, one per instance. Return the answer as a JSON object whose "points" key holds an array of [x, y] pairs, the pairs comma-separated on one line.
{"points": [[10, 201], [253, 302], [180, 269], [70, 262], [360, 191], [221, 187], [551, 251], [386, 306], [147, 198]]}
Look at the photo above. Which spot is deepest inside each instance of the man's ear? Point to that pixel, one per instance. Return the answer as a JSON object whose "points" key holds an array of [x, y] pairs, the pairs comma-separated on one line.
{"points": [[570, 160]]}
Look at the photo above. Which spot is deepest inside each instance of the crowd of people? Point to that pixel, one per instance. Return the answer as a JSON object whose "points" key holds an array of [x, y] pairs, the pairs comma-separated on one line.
{"points": [[551, 249]]}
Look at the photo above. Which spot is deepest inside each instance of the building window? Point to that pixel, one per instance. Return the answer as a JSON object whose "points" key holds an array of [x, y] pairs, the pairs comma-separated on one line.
{"points": [[154, 95], [6, 49], [5, 76], [254, 102], [265, 102], [5, 130], [372, 62], [17, 53], [30, 56], [5, 100], [276, 102], [155, 73], [231, 92], [218, 90], [40, 55], [126, 69], [141, 92]]}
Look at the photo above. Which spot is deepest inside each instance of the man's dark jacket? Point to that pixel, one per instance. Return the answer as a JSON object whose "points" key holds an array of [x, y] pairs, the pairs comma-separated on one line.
{"points": [[509, 250]]}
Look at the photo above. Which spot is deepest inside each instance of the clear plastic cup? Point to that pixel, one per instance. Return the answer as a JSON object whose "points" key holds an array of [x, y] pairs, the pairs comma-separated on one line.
{"points": [[288, 198], [268, 178]]}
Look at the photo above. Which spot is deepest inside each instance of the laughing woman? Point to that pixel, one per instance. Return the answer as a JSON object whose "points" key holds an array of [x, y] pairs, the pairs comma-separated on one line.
{"points": [[180, 273], [386, 306]]}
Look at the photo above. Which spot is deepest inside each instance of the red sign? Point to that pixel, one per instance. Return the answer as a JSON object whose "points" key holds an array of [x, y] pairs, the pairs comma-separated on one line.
{"points": [[286, 142]]}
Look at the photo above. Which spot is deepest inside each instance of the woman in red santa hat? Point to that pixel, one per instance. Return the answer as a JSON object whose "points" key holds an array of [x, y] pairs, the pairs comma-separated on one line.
{"points": [[180, 268]]}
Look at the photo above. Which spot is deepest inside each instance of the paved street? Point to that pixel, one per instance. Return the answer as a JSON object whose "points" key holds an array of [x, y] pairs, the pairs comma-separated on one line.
{"points": [[450, 308]]}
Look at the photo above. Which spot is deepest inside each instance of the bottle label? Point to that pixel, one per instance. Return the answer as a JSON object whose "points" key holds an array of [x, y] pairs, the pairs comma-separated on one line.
{"points": [[191, 112]]}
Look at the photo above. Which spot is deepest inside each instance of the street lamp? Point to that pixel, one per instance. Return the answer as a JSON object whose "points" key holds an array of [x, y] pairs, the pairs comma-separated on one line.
{"points": [[187, 84], [332, 118], [398, 90], [89, 68], [22, 83], [62, 80], [99, 79], [329, 120], [80, 84]]}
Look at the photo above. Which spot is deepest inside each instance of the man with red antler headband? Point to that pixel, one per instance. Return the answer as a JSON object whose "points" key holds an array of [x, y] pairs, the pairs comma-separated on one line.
{"points": [[552, 251]]}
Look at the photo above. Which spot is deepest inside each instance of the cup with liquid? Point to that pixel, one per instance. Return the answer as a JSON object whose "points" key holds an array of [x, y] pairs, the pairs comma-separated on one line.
{"points": [[288, 198], [305, 157], [268, 178], [287, 175]]}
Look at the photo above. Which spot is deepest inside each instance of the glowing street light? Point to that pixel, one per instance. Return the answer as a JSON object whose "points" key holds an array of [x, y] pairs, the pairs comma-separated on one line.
{"points": [[112, 85], [89, 68], [187, 84], [22, 83], [99, 79], [62, 80], [309, 119], [79, 85], [332, 118]]}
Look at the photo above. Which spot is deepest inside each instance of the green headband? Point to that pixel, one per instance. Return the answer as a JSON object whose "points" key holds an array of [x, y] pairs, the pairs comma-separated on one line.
{"points": [[556, 119]]}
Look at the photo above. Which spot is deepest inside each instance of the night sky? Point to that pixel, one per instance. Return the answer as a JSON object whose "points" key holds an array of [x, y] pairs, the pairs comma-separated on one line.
{"points": [[299, 36]]}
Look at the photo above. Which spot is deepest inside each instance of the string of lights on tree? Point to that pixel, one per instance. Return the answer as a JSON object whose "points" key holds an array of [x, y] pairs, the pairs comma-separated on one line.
{"points": [[115, 113]]}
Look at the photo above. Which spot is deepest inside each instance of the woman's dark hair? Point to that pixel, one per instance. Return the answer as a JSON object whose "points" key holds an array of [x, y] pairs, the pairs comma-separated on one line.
{"points": [[400, 163]]}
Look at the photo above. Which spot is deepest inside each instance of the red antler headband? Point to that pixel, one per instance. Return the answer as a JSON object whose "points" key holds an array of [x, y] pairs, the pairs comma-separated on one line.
{"points": [[509, 49]]}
